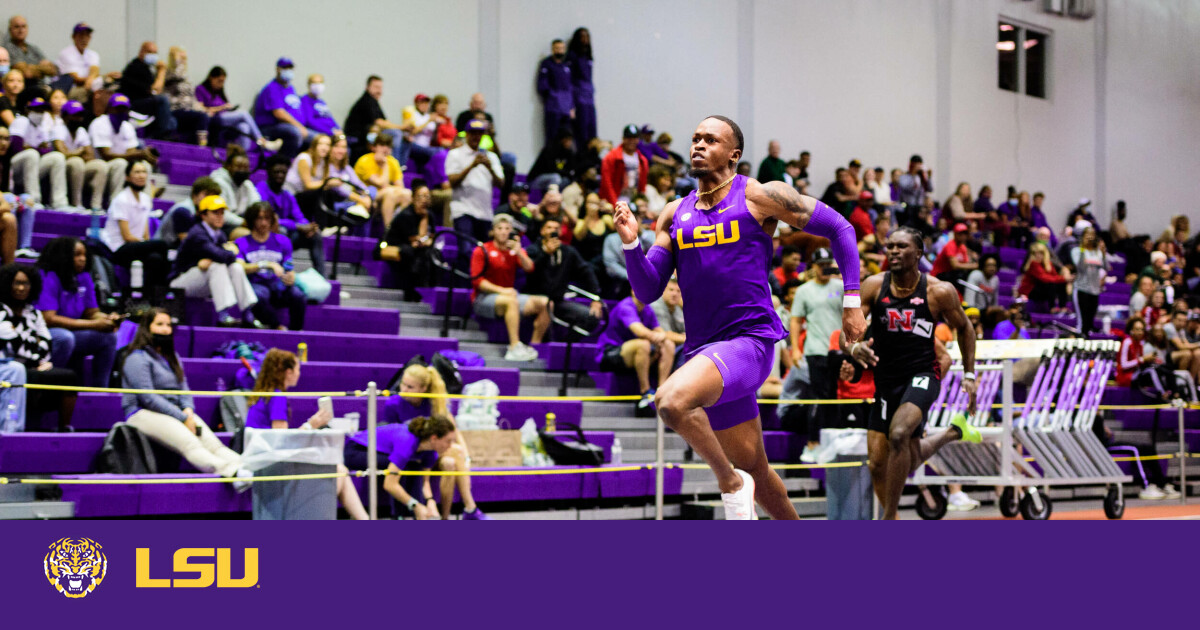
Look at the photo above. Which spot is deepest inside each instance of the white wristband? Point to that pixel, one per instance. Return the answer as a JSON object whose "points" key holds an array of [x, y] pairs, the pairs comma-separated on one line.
{"points": [[851, 301], [968, 376], [633, 245]]}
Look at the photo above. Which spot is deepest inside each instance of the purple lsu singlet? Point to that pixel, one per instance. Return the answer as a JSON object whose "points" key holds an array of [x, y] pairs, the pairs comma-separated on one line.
{"points": [[722, 257]]}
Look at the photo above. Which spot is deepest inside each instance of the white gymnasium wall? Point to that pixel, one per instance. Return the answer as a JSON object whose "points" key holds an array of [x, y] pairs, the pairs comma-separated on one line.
{"points": [[1153, 105], [51, 21], [1001, 138], [845, 80], [665, 62], [415, 46], [870, 79]]}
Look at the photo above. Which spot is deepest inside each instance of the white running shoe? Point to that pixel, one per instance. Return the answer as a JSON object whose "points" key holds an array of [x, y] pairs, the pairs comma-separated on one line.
{"points": [[1170, 492], [1152, 493], [271, 145], [809, 456], [960, 502], [357, 210], [739, 506]]}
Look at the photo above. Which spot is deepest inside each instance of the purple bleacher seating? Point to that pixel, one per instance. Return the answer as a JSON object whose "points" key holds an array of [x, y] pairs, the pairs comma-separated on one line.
{"points": [[1012, 257], [460, 303], [1144, 419], [373, 321], [782, 446], [615, 384], [322, 346], [583, 355], [152, 500], [60, 453]]}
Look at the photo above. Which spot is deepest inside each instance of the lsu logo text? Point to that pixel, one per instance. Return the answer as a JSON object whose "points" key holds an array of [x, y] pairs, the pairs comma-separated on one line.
{"points": [[206, 573], [709, 235], [75, 566]]}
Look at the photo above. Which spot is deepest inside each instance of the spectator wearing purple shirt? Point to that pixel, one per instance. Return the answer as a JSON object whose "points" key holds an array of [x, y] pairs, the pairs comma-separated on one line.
{"points": [[632, 340], [316, 114], [303, 233], [554, 86], [68, 303], [225, 115], [278, 111], [267, 257], [649, 148]]}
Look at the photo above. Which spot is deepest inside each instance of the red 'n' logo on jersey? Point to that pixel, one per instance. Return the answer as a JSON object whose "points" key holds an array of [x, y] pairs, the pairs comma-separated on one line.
{"points": [[900, 320]]}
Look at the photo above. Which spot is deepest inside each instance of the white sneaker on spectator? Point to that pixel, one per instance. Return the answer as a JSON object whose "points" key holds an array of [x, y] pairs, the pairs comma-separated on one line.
{"points": [[1170, 492], [520, 352], [140, 120], [1152, 493], [358, 211], [271, 145], [960, 502], [739, 506], [25, 252], [809, 456]]}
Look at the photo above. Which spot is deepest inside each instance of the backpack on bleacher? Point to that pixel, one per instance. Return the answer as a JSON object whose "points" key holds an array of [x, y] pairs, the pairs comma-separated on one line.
{"points": [[126, 451]]}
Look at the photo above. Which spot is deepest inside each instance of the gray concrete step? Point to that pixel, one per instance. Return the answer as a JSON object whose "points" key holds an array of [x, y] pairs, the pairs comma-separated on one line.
{"points": [[422, 331], [640, 456], [536, 364], [705, 484], [553, 391], [551, 379], [429, 320], [36, 510], [602, 423], [375, 293], [715, 510], [648, 439], [613, 410]]}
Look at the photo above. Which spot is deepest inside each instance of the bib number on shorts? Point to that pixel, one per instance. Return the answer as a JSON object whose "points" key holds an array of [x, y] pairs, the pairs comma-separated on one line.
{"points": [[920, 382]]}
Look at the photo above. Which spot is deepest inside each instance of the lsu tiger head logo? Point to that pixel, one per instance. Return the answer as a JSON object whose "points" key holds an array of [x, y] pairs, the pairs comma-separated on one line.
{"points": [[75, 566]]}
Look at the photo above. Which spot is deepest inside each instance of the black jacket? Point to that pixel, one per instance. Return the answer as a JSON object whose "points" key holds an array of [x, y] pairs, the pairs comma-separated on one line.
{"points": [[199, 245], [553, 272]]}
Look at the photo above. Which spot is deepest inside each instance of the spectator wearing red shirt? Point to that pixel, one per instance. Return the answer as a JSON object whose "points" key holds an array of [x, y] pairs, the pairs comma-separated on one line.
{"points": [[956, 259], [788, 269], [1043, 281], [1132, 356], [618, 173], [853, 416], [860, 217], [494, 296]]}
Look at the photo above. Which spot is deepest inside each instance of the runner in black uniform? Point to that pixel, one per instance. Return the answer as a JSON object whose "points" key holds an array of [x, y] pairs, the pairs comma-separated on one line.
{"points": [[903, 306]]}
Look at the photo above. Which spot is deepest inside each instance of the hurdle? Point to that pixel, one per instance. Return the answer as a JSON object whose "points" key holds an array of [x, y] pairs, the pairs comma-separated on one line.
{"points": [[1054, 427]]}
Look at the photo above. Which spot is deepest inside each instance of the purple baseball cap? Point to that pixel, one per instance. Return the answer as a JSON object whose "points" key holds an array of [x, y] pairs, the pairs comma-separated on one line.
{"points": [[82, 27], [284, 62], [476, 126], [70, 108], [646, 129], [118, 100], [38, 103]]}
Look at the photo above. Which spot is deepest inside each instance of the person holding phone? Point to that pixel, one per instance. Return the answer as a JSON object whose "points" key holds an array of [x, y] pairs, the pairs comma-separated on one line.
{"points": [[280, 371], [68, 303], [494, 269]]}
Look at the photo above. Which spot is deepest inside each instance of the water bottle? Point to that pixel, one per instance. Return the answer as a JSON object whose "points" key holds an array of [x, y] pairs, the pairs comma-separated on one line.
{"points": [[11, 421], [302, 351], [1106, 324], [550, 426], [94, 229], [616, 451], [135, 275]]}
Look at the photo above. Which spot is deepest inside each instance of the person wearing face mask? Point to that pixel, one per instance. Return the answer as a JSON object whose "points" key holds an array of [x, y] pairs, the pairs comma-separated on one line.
{"points": [[190, 114], [314, 110], [278, 111], [126, 231], [70, 137], [304, 233], [170, 419], [116, 142], [36, 160], [236, 188], [207, 266], [554, 86], [25, 339], [143, 81]]}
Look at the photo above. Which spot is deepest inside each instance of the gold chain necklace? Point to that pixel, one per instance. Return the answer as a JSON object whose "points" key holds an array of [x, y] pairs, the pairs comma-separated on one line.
{"points": [[901, 289], [723, 184]]}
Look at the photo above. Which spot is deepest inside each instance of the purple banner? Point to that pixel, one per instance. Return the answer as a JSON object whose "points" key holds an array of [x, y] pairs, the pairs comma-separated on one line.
{"points": [[239, 574]]}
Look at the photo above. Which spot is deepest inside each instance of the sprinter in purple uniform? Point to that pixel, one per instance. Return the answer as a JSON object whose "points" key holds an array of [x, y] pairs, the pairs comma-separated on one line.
{"points": [[718, 239]]}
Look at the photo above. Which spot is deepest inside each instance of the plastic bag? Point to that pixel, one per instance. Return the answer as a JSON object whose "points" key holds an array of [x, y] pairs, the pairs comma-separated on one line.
{"points": [[314, 285]]}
